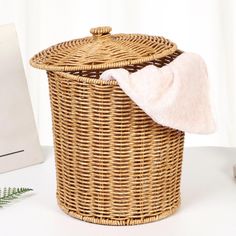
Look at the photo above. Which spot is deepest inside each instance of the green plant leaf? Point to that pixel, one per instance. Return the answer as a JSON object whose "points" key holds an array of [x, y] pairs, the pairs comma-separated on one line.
{"points": [[9, 194]]}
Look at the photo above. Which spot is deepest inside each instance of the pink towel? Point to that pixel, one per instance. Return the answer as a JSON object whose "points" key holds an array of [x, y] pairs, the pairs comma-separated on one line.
{"points": [[175, 95]]}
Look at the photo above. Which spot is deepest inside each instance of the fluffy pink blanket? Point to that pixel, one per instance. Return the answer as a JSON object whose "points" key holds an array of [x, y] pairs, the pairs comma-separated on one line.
{"points": [[175, 95]]}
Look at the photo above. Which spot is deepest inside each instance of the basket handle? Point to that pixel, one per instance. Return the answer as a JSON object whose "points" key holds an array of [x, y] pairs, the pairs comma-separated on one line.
{"points": [[99, 31]]}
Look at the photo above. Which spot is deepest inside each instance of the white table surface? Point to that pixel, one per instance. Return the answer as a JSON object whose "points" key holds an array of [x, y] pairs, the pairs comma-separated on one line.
{"points": [[208, 202]]}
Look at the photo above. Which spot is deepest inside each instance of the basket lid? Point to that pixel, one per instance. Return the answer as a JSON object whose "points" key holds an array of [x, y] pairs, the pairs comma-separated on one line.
{"points": [[102, 50]]}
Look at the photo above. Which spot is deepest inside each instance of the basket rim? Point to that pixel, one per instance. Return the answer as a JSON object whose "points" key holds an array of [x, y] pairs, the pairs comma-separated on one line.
{"points": [[65, 75], [88, 80]]}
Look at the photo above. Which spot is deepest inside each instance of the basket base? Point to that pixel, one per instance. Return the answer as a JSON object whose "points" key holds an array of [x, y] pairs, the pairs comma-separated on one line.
{"points": [[104, 221]]}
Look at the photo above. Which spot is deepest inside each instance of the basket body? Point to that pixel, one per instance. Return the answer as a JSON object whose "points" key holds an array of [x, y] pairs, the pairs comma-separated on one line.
{"points": [[114, 164]]}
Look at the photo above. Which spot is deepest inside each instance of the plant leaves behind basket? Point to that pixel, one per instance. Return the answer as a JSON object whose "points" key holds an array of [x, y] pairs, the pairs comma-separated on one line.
{"points": [[9, 194]]}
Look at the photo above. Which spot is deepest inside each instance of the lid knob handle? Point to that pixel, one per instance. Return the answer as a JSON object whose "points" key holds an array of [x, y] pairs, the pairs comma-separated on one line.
{"points": [[100, 30]]}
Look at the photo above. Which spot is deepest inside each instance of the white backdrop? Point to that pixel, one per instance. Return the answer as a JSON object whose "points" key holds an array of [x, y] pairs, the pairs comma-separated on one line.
{"points": [[207, 27]]}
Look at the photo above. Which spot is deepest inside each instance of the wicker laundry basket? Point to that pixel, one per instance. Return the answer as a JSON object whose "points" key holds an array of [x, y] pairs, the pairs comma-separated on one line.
{"points": [[114, 164]]}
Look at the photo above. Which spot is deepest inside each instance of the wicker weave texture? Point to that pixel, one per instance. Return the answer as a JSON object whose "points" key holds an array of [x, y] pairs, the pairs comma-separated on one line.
{"points": [[103, 50], [115, 165]]}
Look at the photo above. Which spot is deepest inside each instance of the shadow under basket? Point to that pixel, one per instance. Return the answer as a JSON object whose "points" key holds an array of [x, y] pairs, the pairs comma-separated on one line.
{"points": [[114, 164]]}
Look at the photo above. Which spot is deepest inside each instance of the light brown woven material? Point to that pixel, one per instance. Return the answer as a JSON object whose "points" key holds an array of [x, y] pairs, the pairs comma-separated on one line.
{"points": [[114, 164], [102, 51]]}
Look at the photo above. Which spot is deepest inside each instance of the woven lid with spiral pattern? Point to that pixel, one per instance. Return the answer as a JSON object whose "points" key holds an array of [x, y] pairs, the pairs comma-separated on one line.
{"points": [[103, 50]]}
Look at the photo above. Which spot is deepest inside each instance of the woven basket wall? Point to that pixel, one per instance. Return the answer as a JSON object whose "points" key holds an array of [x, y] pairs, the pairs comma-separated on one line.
{"points": [[114, 164]]}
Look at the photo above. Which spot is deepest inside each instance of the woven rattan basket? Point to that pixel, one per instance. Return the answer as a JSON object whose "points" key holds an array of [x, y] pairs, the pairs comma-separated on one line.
{"points": [[114, 164]]}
